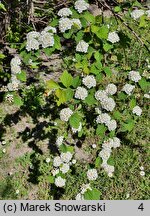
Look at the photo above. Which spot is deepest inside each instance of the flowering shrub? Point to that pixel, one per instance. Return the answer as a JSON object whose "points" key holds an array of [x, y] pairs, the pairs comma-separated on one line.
{"points": [[93, 95]]}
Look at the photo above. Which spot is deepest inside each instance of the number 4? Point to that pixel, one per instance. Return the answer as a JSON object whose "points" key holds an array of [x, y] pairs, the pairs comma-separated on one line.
{"points": [[141, 207]]}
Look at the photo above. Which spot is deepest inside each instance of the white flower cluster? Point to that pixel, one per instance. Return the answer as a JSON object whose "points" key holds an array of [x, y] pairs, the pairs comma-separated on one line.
{"points": [[82, 46], [84, 188], [104, 118], [64, 12], [61, 164], [9, 98], [92, 174], [107, 103], [60, 182], [81, 5], [111, 89], [65, 114], [148, 13], [134, 76], [89, 81], [66, 24], [135, 14], [113, 37], [106, 152], [59, 141], [45, 38], [127, 88], [81, 93], [75, 130], [137, 110]]}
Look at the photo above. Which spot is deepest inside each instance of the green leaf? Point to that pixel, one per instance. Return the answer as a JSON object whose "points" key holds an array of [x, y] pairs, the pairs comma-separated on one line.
{"points": [[2, 6], [22, 76], [48, 51], [90, 100], [2, 56], [98, 162], [103, 32], [17, 100], [69, 94], [132, 103], [107, 71], [76, 82], [122, 96], [117, 115], [75, 120], [54, 22], [117, 9], [111, 161], [92, 194], [66, 79], [98, 56], [89, 17], [127, 126], [79, 36], [61, 95], [51, 84], [64, 148], [57, 43], [100, 130], [50, 179], [107, 47], [144, 84]]}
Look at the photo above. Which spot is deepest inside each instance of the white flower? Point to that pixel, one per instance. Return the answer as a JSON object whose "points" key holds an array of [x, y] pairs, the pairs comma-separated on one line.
{"points": [[141, 168], [108, 168], [9, 98], [116, 142], [98, 110], [79, 197], [15, 69], [113, 37], [82, 46], [46, 39], [112, 125], [50, 29], [15, 61], [32, 44], [92, 174], [142, 173], [103, 118], [74, 161], [65, 168], [33, 34], [57, 161], [108, 144], [65, 24], [48, 160], [101, 95], [94, 146], [111, 89], [17, 191], [135, 14], [66, 157], [89, 81], [105, 154], [134, 76], [110, 175], [81, 5], [65, 114], [148, 13], [75, 130], [108, 104], [55, 172], [64, 12], [4, 150], [128, 88], [147, 96], [59, 141], [81, 93], [60, 182], [137, 110], [77, 23]]}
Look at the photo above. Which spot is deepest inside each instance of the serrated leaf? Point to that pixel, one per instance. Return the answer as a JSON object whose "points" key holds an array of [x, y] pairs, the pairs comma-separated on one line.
{"points": [[98, 162], [51, 84], [100, 130], [92, 194], [61, 95], [117, 115], [17, 100], [66, 79], [57, 43], [76, 82], [128, 126], [107, 71], [107, 47], [144, 84], [90, 100], [22, 76], [111, 161], [98, 56], [75, 120], [50, 179], [69, 94], [132, 103], [89, 17]]}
